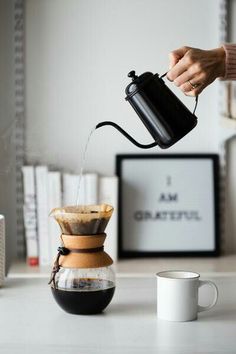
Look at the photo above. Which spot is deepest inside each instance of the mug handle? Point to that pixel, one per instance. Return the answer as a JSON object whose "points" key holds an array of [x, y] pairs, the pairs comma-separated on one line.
{"points": [[208, 282]]}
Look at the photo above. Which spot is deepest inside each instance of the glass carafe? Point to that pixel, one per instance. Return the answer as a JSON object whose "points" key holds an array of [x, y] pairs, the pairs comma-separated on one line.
{"points": [[82, 280]]}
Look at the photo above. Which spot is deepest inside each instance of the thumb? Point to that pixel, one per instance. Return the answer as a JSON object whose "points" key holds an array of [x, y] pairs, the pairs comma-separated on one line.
{"points": [[176, 55]]}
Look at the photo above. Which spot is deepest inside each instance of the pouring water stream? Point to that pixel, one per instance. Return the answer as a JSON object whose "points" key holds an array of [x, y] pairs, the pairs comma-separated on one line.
{"points": [[83, 165]]}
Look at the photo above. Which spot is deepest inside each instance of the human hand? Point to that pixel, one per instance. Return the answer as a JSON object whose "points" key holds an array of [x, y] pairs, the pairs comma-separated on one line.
{"points": [[193, 69]]}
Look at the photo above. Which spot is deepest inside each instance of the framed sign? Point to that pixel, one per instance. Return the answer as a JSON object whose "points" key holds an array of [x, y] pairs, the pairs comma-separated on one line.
{"points": [[168, 205]]}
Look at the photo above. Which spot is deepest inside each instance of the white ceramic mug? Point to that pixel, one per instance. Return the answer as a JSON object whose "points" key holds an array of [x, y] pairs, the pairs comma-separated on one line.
{"points": [[177, 295]]}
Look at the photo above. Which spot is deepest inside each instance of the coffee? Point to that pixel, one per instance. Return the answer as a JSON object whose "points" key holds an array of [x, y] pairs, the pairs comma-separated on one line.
{"points": [[91, 227], [86, 296]]}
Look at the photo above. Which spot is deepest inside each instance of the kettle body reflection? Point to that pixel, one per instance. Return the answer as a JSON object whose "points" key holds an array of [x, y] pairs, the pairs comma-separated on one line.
{"points": [[166, 118]]}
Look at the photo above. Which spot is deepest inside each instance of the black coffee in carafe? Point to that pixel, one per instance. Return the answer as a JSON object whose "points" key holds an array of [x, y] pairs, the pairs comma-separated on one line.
{"points": [[89, 296], [163, 114]]}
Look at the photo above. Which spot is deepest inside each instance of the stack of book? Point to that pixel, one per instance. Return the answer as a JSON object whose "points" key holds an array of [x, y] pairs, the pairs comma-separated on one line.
{"points": [[45, 190]]}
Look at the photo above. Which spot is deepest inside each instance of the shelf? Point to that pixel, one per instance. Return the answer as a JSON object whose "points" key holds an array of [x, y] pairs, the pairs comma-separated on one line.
{"points": [[145, 267], [229, 123]]}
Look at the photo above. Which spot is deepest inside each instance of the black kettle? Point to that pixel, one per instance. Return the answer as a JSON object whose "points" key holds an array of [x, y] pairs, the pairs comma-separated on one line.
{"points": [[163, 114]]}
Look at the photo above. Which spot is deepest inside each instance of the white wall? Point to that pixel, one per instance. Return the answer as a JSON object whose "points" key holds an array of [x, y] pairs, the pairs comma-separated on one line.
{"points": [[7, 143], [78, 53]]}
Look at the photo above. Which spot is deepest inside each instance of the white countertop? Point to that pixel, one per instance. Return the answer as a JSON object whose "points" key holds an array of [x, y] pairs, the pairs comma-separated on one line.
{"points": [[31, 322]]}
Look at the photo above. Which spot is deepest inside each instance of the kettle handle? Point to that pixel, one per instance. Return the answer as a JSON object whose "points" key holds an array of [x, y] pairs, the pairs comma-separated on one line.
{"points": [[196, 99], [129, 137]]}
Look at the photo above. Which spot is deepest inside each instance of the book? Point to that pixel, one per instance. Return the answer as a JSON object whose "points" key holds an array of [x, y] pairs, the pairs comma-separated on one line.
{"points": [[30, 217], [91, 188], [108, 194], [54, 201], [80, 190], [41, 173], [70, 189]]}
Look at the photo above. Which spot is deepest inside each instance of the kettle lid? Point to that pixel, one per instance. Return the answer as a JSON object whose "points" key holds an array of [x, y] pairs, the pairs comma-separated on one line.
{"points": [[137, 81]]}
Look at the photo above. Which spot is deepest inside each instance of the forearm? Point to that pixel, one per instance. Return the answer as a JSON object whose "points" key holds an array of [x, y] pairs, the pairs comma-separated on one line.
{"points": [[230, 61]]}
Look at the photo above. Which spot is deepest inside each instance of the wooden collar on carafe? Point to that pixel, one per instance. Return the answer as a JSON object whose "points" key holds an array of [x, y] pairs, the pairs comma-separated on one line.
{"points": [[83, 242], [87, 251]]}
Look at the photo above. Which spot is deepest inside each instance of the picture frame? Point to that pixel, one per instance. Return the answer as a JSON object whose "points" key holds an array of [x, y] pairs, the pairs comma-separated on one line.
{"points": [[168, 205]]}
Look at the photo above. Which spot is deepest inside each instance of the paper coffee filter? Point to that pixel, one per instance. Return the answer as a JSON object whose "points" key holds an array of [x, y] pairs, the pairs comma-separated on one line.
{"points": [[83, 219]]}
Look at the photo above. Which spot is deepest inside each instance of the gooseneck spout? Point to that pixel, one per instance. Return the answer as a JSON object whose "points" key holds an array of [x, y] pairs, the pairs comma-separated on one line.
{"points": [[129, 137]]}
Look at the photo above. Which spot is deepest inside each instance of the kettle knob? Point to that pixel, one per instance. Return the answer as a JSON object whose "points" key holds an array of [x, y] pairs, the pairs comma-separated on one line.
{"points": [[132, 75]]}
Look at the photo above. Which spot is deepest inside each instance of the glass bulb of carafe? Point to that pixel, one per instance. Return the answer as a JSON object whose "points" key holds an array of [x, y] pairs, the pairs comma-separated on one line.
{"points": [[84, 290]]}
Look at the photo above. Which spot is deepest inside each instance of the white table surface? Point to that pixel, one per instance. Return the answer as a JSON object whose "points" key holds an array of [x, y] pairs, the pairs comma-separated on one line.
{"points": [[31, 322]]}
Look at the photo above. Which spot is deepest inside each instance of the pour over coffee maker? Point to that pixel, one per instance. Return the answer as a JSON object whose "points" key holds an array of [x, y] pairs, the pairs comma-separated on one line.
{"points": [[82, 279]]}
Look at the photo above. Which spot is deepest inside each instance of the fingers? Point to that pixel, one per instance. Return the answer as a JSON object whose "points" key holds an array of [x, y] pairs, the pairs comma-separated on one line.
{"points": [[176, 55], [198, 66], [193, 92], [184, 64], [177, 70], [187, 72], [186, 83], [192, 81], [201, 81], [187, 75]]}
